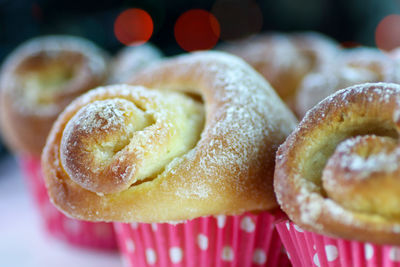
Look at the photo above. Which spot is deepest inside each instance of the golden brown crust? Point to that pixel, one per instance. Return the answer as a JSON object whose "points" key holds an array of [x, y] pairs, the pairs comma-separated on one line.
{"points": [[229, 170], [127, 136], [38, 80], [367, 111], [363, 175], [284, 60]]}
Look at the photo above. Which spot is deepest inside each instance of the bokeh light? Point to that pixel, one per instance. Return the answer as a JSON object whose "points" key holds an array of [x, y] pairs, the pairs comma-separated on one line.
{"points": [[197, 29], [37, 11], [387, 34], [238, 18], [349, 44], [133, 27]]}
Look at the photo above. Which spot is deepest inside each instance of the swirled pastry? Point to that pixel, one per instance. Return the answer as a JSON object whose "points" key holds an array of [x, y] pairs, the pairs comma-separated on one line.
{"points": [[131, 59], [354, 66], [338, 172], [128, 153], [38, 80], [284, 60]]}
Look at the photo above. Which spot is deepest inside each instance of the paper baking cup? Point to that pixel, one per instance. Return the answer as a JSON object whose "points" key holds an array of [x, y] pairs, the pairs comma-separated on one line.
{"points": [[245, 240], [75, 232], [310, 249]]}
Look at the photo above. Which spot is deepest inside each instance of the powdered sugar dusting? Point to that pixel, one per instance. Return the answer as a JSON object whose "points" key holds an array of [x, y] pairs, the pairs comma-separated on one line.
{"points": [[310, 207], [245, 122], [380, 162], [133, 133], [247, 113], [313, 207], [338, 211], [101, 115], [97, 122]]}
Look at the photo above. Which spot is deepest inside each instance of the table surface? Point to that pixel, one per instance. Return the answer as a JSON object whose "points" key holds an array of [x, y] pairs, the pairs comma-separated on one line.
{"points": [[23, 241]]}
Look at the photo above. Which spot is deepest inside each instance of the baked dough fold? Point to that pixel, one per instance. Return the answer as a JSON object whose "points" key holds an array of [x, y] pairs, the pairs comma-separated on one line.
{"points": [[227, 170]]}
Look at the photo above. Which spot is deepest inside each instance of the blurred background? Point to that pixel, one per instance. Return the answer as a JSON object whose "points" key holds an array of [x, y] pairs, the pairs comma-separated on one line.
{"points": [[174, 27], [181, 25], [348, 21]]}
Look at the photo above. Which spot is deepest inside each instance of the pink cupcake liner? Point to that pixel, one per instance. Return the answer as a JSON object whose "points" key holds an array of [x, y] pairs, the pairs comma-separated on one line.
{"points": [[74, 232], [244, 240], [310, 249]]}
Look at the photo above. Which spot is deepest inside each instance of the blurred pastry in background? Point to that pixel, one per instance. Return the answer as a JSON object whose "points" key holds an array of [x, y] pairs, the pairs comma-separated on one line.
{"points": [[354, 66], [285, 59], [37, 81], [132, 59]]}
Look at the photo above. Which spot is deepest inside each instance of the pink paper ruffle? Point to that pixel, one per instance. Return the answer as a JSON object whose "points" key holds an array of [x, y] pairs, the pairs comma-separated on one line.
{"points": [[310, 249], [75, 232], [245, 240]]}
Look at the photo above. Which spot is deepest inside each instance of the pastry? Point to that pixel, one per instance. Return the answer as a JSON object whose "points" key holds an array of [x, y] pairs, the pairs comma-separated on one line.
{"points": [[244, 125], [284, 59], [336, 178], [194, 137], [132, 59], [37, 81], [354, 66]]}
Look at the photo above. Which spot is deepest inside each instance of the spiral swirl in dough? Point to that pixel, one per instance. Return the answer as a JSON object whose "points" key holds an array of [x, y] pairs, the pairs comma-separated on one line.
{"points": [[338, 172], [358, 168], [126, 153], [127, 137], [38, 80]]}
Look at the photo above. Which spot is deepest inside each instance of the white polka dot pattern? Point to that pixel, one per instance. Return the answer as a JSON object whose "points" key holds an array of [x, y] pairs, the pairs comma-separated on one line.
{"points": [[195, 241], [221, 219], [368, 251], [151, 256], [227, 254], [316, 260], [175, 254], [259, 257], [202, 241], [312, 249], [247, 224], [331, 252]]}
